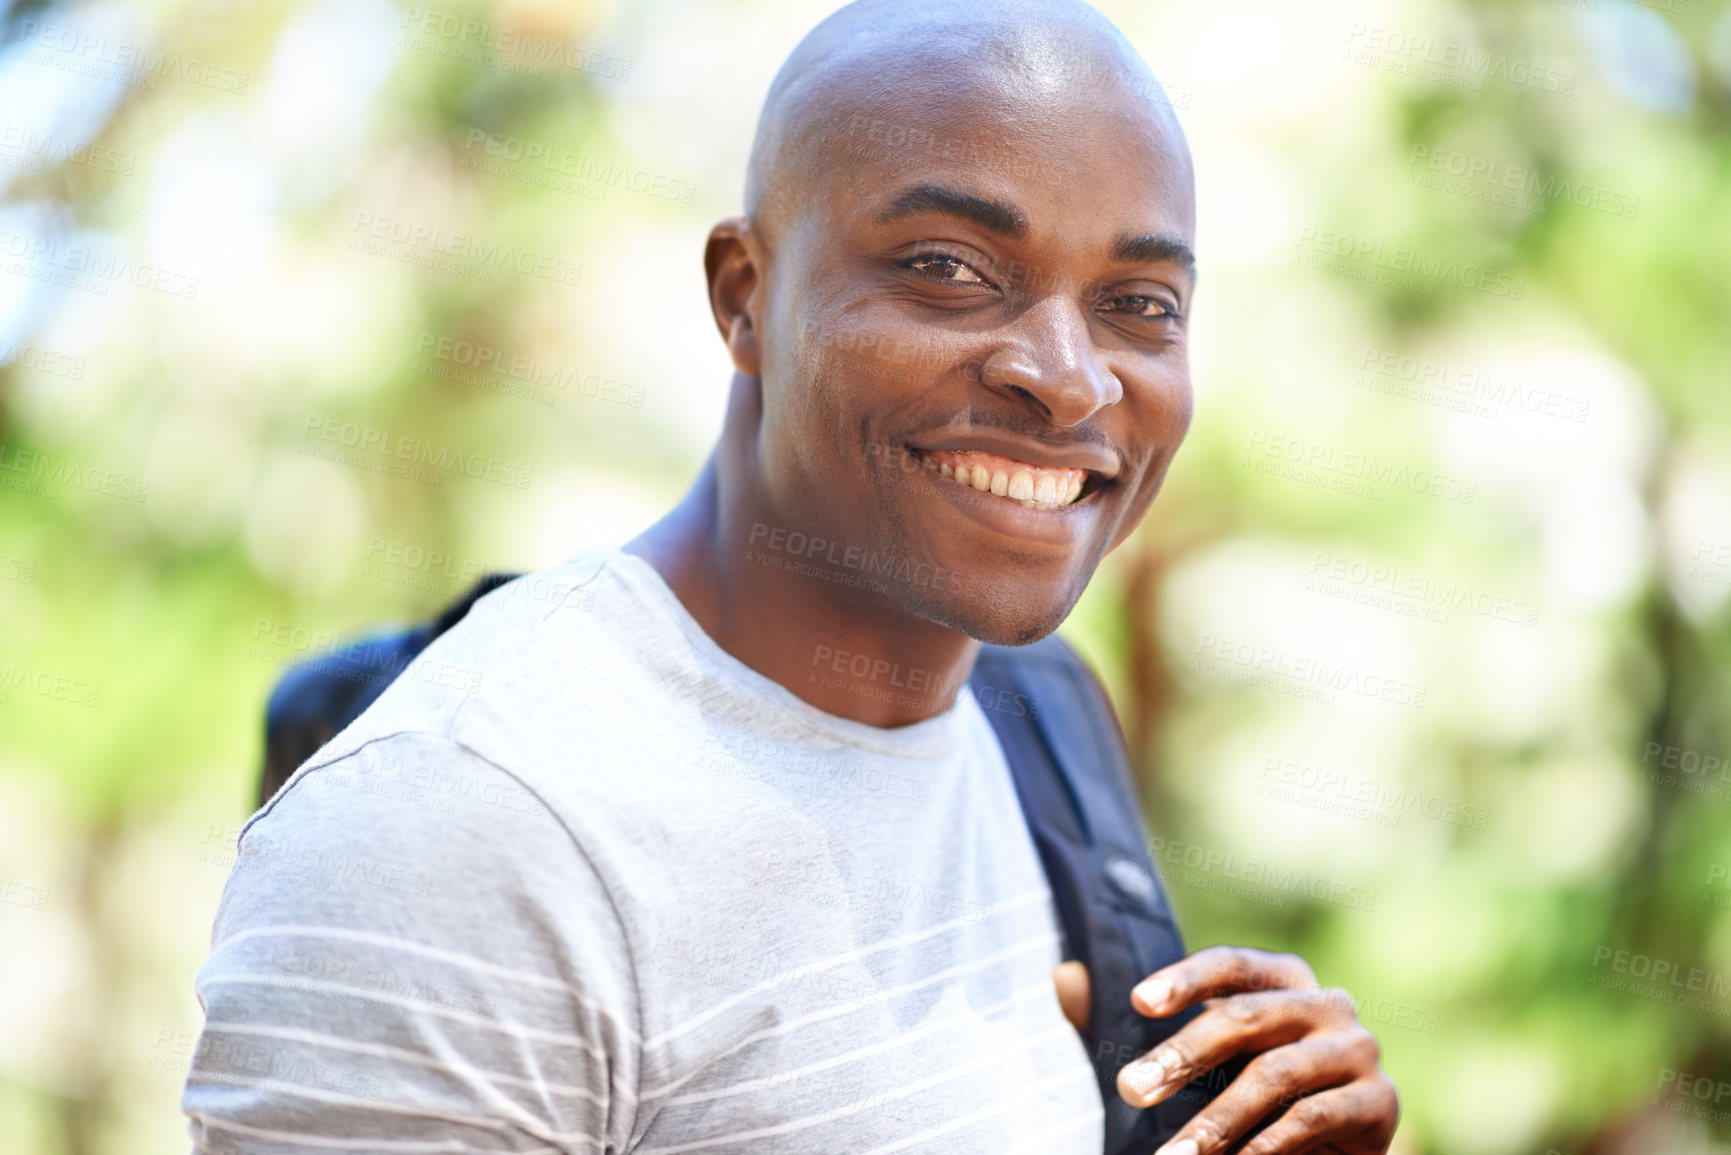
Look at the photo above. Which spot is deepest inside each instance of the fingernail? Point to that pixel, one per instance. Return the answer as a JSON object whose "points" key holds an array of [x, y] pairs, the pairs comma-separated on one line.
{"points": [[1182, 1147], [1144, 1078], [1154, 992]]}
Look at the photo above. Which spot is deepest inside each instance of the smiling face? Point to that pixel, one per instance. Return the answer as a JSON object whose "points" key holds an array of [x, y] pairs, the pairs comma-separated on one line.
{"points": [[970, 327]]}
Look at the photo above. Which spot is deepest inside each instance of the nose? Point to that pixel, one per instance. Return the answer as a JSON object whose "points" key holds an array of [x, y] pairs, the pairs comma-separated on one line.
{"points": [[1050, 359]]}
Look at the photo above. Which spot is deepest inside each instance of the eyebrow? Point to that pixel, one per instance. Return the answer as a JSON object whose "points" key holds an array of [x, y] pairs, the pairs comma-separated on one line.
{"points": [[995, 216], [1009, 221], [1153, 249]]}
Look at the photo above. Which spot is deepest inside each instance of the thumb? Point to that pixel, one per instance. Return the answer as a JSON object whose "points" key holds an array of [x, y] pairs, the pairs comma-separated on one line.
{"points": [[1075, 992]]}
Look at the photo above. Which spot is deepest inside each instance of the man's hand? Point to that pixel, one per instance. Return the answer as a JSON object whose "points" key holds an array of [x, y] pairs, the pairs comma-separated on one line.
{"points": [[1316, 1067]]}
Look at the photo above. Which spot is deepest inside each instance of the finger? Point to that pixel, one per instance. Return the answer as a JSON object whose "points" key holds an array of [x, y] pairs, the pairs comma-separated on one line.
{"points": [[1361, 1115], [1291, 1076], [1075, 992], [1216, 971], [1232, 1026]]}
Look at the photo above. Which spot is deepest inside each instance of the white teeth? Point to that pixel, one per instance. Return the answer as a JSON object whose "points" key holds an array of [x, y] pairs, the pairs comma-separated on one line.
{"points": [[1028, 487]]}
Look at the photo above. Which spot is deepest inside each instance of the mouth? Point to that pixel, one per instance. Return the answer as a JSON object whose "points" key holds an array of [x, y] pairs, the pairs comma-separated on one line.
{"points": [[1028, 485]]}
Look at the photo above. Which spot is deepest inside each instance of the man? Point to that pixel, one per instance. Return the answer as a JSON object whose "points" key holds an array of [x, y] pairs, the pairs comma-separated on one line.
{"points": [[706, 881]]}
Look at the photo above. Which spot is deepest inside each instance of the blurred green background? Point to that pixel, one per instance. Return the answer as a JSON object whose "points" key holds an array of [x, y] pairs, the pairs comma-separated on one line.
{"points": [[1422, 654]]}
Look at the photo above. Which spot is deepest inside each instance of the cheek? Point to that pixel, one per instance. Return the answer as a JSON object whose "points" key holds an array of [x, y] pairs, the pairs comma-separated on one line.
{"points": [[1183, 402], [876, 345], [1159, 405], [1167, 405]]}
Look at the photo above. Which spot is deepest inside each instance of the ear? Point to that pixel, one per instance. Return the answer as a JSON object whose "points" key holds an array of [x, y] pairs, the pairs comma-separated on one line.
{"points": [[734, 261]]}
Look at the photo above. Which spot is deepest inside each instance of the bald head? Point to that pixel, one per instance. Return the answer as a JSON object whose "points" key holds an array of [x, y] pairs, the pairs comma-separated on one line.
{"points": [[881, 74], [969, 241]]}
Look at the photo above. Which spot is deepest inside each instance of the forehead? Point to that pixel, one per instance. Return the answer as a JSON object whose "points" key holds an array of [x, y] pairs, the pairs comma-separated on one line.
{"points": [[1077, 159]]}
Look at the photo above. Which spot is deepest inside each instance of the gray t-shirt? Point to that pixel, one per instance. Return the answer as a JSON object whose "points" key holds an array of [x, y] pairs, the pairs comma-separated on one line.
{"points": [[581, 881]]}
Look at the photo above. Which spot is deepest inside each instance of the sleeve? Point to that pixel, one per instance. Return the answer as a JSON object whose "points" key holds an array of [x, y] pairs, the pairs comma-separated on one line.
{"points": [[412, 954]]}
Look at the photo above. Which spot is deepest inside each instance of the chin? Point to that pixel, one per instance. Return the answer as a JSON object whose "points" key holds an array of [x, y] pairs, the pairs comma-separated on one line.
{"points": [[1002, 617]]}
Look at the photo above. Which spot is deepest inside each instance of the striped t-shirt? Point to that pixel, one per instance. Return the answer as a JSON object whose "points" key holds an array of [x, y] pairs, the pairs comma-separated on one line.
{"points": [[581, 881]]}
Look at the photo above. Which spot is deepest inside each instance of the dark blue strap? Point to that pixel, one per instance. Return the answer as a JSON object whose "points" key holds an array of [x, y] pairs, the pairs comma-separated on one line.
{"points": [[1071, 771]]}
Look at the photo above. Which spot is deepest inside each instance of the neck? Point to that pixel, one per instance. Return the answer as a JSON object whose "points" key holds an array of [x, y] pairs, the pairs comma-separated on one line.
{"points": [[842, 648]]}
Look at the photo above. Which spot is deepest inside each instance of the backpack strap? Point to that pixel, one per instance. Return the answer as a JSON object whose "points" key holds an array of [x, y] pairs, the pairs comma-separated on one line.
{"points": [[1067, 757]]}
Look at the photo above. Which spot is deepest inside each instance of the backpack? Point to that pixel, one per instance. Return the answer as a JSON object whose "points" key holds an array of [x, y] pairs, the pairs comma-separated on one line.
{"points": [[1067, 758]]}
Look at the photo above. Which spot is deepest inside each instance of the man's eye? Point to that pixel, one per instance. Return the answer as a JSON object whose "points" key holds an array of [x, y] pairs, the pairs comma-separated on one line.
{"points": [[1139, 305], [943, 268]]}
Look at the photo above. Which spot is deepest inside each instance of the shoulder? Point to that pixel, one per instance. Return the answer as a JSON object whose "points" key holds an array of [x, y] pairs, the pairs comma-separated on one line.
{"points": [[407, 942], [416, 858], [408, 827], [511, 653]]}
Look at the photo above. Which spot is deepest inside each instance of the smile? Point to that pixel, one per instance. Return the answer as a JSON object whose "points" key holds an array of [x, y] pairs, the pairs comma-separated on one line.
{"points": [[1032, 486]]}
